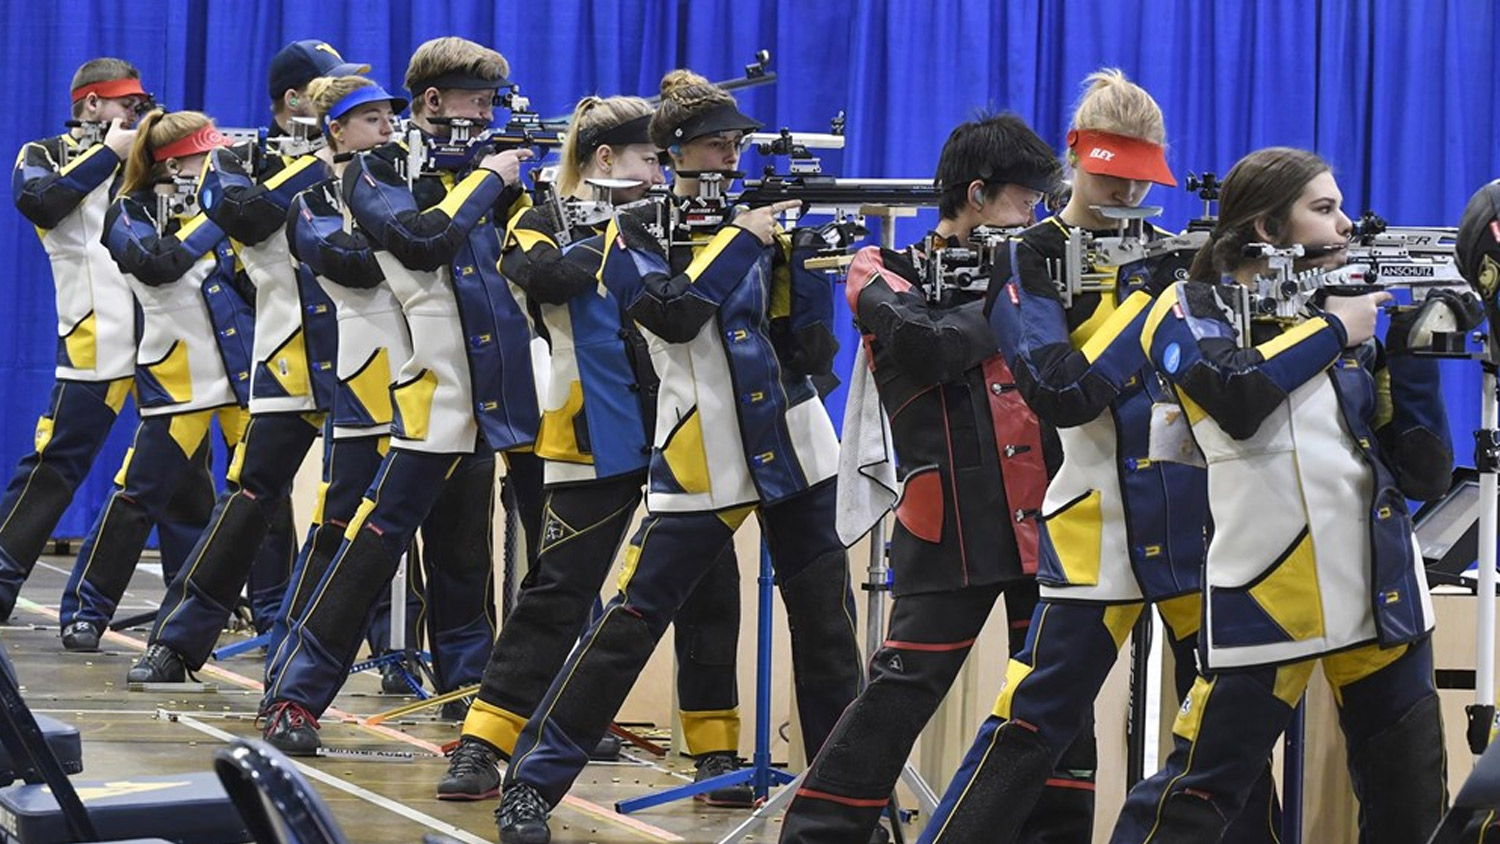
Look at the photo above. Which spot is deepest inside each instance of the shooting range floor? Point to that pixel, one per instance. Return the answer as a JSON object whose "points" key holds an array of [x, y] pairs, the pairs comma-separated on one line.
{"points": [[376, 800]]}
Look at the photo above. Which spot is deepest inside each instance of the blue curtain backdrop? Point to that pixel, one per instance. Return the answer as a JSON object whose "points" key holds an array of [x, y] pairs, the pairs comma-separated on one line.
{"points": [[1400, 96]]}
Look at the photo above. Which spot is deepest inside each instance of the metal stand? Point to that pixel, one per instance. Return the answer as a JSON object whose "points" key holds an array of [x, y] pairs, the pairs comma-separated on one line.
{"points": [[760, 773], [876, 586], [412, 663], [1292, 776], [237, 648], [1487, 461]]}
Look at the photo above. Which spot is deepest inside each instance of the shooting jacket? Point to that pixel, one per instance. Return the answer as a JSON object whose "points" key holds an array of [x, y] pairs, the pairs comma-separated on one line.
{"points": [[439, 249], [1117, 524], [197, 330], [295, 339], [67, 204], [372, 340], [1312, 449], [968, 450], [600, 407], [738, 419]]}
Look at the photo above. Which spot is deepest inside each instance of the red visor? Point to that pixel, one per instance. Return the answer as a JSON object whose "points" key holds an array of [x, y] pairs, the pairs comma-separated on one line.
{"points": [[202, 140], [1116, 155], [110, 89]]}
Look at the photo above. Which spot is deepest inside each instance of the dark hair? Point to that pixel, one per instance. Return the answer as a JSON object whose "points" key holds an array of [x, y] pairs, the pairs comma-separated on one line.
{"points": [[1261, 187], [981, 148]]}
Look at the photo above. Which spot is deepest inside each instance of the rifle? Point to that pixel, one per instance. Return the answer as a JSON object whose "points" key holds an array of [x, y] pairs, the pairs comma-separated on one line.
{"points": [[570, 214], [256, 146], [1126, 261], [467, 141], [962, 269], [1093, 264], [93, 131], [1391, 265], [181, 202], [1416, 257], [756, 75]]}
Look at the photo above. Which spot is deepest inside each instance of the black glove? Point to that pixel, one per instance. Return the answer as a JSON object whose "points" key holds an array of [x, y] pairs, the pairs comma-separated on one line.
{"points": [[833, 236], [638, 237], [1443, 311], [937, 348]]}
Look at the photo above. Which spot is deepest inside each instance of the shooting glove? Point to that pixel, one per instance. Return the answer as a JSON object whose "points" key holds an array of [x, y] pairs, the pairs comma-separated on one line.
{"points": [[543, 271], [931, 345], [1412, 329]]}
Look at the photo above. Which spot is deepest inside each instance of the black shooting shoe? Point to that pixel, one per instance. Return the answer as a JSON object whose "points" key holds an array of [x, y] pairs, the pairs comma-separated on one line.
{"points": [[291, 729], [711, 765], [473, 772], [393, 680], [522, 816], [160, 664], [607, 750], [455, 710], [81, 637]]}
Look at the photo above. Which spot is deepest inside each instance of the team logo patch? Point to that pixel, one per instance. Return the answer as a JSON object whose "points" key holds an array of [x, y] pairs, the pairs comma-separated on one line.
{"points": [[895, 664], [1171, 358], [555, 530]]}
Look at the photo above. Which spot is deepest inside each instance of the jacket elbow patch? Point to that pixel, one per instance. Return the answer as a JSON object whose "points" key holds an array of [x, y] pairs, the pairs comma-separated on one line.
{"points": [[1239, 404]]}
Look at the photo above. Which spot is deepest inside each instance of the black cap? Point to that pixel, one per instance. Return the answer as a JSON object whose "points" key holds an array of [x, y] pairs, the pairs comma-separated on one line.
{"points": [[300, 62], [633, 131], [720, 118]]}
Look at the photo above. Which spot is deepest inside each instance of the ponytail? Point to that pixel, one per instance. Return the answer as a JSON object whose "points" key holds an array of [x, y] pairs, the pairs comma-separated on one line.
{"points": [[138, 163], [592, 117]]}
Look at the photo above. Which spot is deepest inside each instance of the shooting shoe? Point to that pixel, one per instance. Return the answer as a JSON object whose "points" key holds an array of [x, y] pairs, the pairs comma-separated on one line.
{"points": [[81, 637], [607, 750], [291, 729], [737, 796], [473, 772], [522, 816], [160, 664]]}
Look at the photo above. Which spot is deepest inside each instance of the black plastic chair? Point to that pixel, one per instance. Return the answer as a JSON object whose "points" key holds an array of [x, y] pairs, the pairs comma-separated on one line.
{"points": [[1477, 801], [187, 808], [276, 801], [62, 738]]}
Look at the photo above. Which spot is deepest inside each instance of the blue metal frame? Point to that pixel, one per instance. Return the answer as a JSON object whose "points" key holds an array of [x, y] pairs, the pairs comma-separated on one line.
{"points": [[759, 773], [261, 641]]}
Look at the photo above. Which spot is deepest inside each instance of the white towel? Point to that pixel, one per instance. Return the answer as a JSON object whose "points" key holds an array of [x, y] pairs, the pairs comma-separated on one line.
{"points": [[867, 460]]}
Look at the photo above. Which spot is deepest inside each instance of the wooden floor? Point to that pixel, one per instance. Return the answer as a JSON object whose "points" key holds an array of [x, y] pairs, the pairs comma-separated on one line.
{"points": [[381, 798]]}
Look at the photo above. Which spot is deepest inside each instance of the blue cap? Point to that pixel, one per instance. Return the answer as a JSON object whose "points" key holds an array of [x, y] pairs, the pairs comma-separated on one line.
{"points": [[300, 62], [362, 95]]}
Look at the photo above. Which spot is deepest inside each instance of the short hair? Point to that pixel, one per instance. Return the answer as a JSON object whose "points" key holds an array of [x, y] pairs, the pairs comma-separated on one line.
{"points": [[103, 69], [987, 145], [684, 95], [451, 54]]}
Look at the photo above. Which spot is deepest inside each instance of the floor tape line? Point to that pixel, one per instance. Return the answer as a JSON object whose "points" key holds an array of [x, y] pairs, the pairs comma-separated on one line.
{"points": [[577, 803], [343, 785]]}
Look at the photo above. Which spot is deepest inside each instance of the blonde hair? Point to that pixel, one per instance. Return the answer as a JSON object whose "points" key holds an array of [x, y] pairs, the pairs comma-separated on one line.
{"points": [[100, 70], [325, 92], [450, 54], [684, 94], [156, 130], [1112, 103], [591, 116]]}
